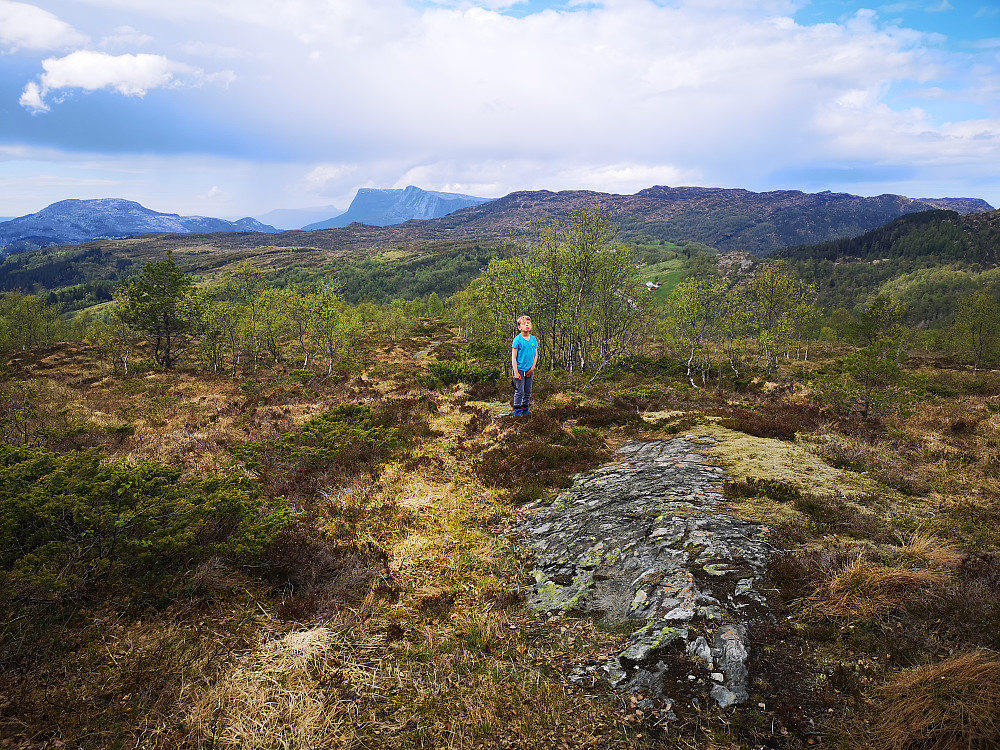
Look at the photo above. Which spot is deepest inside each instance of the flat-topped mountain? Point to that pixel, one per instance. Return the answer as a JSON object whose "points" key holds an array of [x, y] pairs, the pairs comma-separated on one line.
{"points": [[74, 221], [383, 207]]}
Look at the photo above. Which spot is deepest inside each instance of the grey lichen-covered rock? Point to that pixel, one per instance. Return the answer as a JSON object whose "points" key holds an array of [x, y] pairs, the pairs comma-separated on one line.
{"points": [[643, 539]]}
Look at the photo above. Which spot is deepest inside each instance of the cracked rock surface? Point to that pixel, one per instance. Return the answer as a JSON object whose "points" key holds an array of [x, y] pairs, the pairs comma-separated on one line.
{"points": [[642, 540]]}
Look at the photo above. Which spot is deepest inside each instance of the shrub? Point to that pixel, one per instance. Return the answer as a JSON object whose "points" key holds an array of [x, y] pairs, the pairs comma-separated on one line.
{"points": [[338, 442], [775, 420], [451, 372], [774, 489], [541, 455], [70, 523], [19, 423]]}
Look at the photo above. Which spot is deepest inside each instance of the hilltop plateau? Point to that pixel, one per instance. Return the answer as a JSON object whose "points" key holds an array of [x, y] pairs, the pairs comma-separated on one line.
{"points": [[413, 600]]}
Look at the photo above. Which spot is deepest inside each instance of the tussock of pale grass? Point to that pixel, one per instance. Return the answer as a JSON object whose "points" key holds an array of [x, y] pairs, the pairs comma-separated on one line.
{"points": [[931, 551], [273, 698], [952, 704], [864, 588]]}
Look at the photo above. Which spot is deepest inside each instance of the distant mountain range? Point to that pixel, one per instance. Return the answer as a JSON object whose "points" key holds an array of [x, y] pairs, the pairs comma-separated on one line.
{"points": [[74, 221], [296, 218], [384, 207], [726, 219]]}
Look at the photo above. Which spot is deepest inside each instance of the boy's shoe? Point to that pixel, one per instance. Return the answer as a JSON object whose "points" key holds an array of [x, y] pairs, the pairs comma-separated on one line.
{"points": [[518, 412], [525, 411]]}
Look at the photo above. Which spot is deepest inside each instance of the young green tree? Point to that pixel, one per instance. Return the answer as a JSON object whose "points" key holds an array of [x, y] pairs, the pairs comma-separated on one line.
{"points": [[27, 321], [434, 305], [870, 378], [881, 320], [114, 334], [245, 287], [580, 287], [337, 328], [977, 329], [777, 300], [155, 304], [696, 310]]}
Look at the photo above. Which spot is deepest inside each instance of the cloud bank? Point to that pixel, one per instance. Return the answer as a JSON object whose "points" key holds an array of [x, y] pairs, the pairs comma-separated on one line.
{"points": [[492, 96]]}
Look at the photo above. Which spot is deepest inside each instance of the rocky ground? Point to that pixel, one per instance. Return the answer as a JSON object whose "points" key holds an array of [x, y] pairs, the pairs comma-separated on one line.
{"points": [[643, 541]]}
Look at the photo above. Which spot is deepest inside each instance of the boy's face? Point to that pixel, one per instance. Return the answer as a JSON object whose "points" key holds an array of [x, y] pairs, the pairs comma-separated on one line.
{"points": [[525, 325]]}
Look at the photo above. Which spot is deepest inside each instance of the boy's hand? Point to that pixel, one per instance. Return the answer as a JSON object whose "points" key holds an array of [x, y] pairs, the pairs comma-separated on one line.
{"points": [[517, 374]]}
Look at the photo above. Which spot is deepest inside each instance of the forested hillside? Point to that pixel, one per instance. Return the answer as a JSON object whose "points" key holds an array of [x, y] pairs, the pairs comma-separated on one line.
{"points": [[928, 260], [81, 276]]}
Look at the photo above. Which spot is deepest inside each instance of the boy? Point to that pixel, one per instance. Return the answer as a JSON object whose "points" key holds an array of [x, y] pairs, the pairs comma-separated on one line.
{"points": [[523, 358]]}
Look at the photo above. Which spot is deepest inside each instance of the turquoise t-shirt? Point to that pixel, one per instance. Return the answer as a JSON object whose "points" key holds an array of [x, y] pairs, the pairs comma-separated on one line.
{"points": [[525, 351]]}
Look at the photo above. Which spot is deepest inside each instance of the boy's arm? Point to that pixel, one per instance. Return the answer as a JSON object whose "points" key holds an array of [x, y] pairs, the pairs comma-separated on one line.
{"points": [[534, 363], [513, 362]]}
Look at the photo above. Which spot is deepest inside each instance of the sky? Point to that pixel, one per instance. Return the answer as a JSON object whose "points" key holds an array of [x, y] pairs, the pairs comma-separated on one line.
{"points": [[233, 108]]}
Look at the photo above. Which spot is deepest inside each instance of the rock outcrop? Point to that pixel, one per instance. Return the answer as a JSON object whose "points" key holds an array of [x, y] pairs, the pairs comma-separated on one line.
{"points": [[643, 540]]}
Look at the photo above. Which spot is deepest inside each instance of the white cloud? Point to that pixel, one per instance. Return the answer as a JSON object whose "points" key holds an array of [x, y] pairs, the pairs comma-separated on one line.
{"points": [[32, 98], [131, 75], [125, 37], [218, 51], [24, 26], [613, 95], [524, 174]]}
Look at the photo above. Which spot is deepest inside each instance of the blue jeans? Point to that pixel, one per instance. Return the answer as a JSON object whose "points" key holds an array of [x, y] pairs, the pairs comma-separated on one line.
{"points": [[522, 390]]}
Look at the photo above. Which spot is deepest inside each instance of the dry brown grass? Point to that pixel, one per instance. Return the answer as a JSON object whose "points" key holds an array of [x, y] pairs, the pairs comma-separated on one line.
{"points": [[864, 588], [951, 705], [928, 550], [279, 696]]}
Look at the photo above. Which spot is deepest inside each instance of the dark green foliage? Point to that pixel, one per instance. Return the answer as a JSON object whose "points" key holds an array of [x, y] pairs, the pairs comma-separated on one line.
{"points": [[411, 278], [639, 364], [862, 382], [950, 383], [81, 276], [451, 372], [844, 272], [154, 305], [72, 524], [335, 444], [621, 412]]}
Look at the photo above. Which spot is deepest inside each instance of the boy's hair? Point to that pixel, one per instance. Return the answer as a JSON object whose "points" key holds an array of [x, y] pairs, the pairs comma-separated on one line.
{"points": [[523, 318]]}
